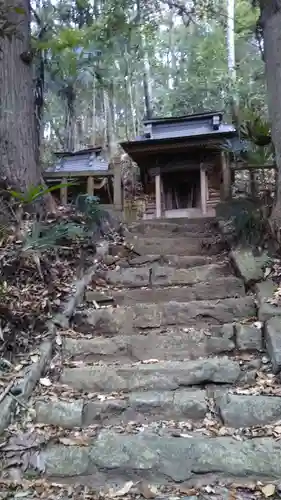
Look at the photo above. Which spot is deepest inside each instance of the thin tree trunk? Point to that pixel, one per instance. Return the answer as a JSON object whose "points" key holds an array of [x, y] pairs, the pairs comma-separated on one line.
{"points": [[138, 111], [94, 131], [130, 93], [146, 83], [132, 106], [270, 22], [110, 133], [231, 62], [17, 119], [230, 38], [173, 76], [111, 103], [146, 69], [70, 124]]}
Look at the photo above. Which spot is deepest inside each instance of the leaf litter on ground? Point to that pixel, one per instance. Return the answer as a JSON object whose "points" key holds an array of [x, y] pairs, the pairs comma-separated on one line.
{"points": [[43, 489]]}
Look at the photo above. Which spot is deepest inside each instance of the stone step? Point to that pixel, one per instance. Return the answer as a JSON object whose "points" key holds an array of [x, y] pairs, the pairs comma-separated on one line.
{"points": [[237, 410], [176, 344], [160, 376], [172, 231], [138, 407], [112, 457], [218, 289], [140, 317], [175, 246], [183, 261], [233, 410], [155, 275], [194, 225]]}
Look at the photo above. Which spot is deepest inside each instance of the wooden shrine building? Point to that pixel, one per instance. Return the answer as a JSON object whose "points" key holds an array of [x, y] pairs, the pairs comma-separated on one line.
{"points": [[183, 167], [92, 172]]}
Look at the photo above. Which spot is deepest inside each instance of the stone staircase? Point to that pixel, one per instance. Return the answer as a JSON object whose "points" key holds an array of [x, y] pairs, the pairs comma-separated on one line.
{"points": [[165, 385]]}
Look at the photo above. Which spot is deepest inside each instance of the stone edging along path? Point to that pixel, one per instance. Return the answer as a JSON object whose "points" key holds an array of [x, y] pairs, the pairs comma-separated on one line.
{"points": [[19, 390], [251, 269]]}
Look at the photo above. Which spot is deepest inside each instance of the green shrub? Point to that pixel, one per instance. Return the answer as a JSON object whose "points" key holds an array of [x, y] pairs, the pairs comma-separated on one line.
{"points": [[244, 219]]}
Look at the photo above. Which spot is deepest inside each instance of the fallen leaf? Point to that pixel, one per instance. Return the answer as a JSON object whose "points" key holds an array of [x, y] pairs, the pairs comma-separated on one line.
{"points": [[232, 495], [18, 367], [147, 491], [75, 441], [187, 490], [34, 358], [23, 494], [46, 382], [268, 490], [147, 361], [101, 397], [258, 324], [209, 489], [249, 486], [123, 491], [267, 272], [58, 340]]}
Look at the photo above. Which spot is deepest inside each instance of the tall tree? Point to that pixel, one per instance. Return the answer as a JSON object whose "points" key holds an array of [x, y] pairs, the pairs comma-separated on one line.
{"points": [[269, 27], [17, 119]]}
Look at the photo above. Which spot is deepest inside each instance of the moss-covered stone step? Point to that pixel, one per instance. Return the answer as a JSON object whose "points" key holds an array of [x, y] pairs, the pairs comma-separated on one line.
{"points": [[175, 246], [137, 406], [155, 275], [174, 226], [139, 317], [116, 457], [234, 410], [181, 261], [161, 376], [218, 289], [175, 344]]}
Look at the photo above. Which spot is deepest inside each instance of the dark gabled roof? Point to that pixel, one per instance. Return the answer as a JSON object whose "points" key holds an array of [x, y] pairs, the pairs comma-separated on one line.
{"points": [[197, 131], [79, 152], [85, 160], [180, 137], [175, 119], [161, 134]]}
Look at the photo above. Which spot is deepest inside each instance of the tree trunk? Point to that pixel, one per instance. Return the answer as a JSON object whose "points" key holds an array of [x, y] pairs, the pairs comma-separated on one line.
{"points": [[109, 131], [270, 22], [94, 125], [17, 117], [70, 121], [146, 69], [231, 60]]}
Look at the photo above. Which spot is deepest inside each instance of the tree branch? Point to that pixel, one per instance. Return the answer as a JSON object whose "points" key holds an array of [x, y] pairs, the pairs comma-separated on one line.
{"points": [[186, 13]]}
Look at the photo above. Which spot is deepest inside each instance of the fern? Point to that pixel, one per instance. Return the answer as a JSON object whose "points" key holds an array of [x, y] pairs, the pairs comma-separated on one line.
{"points": [[43, 238], [36, 192]]}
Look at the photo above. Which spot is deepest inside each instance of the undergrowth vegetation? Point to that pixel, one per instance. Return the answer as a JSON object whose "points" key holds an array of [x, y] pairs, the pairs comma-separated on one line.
{"points": [[40, 257]]}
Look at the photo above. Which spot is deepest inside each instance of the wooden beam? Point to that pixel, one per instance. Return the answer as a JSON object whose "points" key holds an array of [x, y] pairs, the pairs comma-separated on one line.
{"points": [[158, 196], [117, 184], [149, 147], [90, 185], [226, 176], [63, 195], [203, 189], [173, 168], [75, 175]]}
